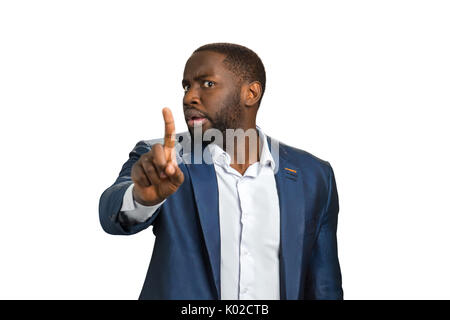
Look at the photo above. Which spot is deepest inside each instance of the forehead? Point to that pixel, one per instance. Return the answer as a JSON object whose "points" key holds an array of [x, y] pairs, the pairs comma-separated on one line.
{"points": [[205, 63]]}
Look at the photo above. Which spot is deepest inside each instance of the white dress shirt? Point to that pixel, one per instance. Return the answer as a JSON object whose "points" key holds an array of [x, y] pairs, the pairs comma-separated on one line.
{"points": [[249, 218]]}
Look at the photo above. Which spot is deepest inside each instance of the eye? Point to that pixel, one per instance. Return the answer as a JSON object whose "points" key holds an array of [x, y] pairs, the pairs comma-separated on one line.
{"points": [[208, 83], [186, 88]]}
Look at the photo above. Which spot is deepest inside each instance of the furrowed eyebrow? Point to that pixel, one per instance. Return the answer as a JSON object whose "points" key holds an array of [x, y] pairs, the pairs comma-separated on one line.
{"points": [[200, 77]]}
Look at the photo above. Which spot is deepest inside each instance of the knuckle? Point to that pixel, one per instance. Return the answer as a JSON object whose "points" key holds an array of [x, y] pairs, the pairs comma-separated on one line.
{"points": [[150, 168], [142, 181], [160, 163], [151, 173], [136, 170], [144, 158], [159, 150], [140, 174]]}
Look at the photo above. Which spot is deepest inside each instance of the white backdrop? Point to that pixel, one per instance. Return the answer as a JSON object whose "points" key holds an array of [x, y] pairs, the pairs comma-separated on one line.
{"points": [[362, 84]]}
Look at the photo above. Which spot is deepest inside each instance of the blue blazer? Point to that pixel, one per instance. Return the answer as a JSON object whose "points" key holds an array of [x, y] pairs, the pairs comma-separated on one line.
{"points": [[186, 256]]}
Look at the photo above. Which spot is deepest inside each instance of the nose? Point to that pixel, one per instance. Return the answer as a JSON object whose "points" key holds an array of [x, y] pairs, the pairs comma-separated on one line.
{"points": [[191, 97]]}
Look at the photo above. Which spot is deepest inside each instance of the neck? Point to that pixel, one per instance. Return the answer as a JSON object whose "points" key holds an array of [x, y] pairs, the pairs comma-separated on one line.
{"points": [[244, 147]]}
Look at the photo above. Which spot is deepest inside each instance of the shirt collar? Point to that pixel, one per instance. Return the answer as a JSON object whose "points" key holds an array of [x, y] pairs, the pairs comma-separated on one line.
{"points": [[222, 158]]}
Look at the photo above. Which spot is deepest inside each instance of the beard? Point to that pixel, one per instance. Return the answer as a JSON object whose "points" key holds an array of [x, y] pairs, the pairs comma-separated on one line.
{"points": [[229, 115]]}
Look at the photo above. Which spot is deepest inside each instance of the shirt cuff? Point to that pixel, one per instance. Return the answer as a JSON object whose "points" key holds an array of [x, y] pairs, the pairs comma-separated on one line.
{"points": [[134, 210]]}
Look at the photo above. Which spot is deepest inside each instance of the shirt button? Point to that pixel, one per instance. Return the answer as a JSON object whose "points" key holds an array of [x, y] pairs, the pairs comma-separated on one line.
{"points": [[244, 290]]}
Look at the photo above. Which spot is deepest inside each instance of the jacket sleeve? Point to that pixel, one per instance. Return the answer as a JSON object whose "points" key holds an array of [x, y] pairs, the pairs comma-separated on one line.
{"points": [[111, 219], [324, 281]]}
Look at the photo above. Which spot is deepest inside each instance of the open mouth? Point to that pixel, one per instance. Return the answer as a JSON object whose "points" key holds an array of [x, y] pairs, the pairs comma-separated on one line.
{"points": [[196, 121]]}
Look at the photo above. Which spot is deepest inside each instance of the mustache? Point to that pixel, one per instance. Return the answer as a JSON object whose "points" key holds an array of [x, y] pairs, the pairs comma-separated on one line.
{"points": [[190, 112]]}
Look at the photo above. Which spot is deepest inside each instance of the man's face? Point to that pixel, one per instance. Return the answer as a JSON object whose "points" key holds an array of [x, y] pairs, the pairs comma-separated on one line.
{"points": [[212, 93]]}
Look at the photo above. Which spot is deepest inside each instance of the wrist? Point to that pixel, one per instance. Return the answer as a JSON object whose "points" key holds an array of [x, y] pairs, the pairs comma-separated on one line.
{"points": [[141, 201]]}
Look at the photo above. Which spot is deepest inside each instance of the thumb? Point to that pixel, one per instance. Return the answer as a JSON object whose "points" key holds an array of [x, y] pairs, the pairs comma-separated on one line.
{"points": [[175, 174]]}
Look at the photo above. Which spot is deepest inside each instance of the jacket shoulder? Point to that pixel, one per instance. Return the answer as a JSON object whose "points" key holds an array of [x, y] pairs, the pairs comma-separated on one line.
{"points": [[303, 159]]}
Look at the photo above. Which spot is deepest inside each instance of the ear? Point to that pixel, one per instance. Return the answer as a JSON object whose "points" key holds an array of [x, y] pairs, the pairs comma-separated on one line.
{"points": [[253, 92]]}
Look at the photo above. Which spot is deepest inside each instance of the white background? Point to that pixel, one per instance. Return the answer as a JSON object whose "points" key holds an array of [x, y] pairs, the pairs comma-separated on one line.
{"points": [[362, 84]]}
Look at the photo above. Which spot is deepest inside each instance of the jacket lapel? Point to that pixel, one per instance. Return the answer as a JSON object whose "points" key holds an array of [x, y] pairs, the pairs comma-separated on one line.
{"points": [[291, 199], [204, 184]]}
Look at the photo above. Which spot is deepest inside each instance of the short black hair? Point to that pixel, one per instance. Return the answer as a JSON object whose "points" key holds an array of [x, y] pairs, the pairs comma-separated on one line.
{"points": [[240, 60]]}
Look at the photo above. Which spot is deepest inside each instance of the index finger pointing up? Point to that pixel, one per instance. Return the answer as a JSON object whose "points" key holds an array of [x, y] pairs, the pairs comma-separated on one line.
{"points": [[169, 125]]}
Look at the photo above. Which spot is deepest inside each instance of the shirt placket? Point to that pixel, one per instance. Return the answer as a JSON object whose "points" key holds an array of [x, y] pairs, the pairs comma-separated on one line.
{"points": [[246, 276]]}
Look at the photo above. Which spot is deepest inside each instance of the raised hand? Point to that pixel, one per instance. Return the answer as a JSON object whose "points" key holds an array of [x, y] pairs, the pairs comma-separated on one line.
{"points": [[156, 174]]}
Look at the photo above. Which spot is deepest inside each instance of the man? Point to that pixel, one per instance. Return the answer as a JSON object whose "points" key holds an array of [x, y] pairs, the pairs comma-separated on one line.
{"points": [[255, 221]]}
